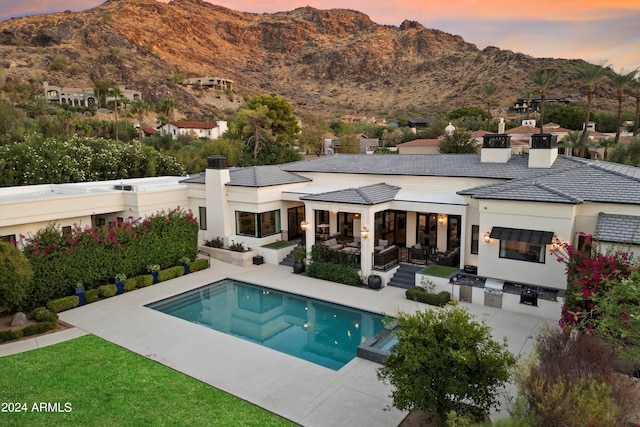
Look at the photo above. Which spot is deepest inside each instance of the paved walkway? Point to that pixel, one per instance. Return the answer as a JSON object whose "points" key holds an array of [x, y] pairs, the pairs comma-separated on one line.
{"points": [[301, 391]]}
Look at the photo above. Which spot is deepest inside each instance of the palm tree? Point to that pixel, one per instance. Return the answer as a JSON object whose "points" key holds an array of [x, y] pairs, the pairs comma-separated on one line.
{"points": [[635, 85], [543, 79], [590, 74], [490, 89], [140, 108], [39, 106], [605, 143], [67, 116], [527, 98], [620, 81], [116, 94], [162, 119], [167, 107], [570, 142]]}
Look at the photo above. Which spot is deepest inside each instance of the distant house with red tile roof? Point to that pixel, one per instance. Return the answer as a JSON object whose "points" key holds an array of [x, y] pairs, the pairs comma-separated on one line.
{"points": [[420, 146], [147, 130], [196, 129]]}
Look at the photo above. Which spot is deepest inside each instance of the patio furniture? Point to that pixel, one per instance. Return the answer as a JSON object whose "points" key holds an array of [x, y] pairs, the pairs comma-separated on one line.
{"points": [[332, 243], [382, 244], [355, 243], [449, 258], [386, 258], [417, 254]]}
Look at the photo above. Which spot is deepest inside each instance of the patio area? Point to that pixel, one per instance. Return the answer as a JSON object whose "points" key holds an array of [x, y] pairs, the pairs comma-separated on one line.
{"points": [[293, 388]]}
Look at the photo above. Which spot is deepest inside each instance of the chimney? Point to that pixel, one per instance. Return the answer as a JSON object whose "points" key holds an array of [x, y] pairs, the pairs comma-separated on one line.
{"points": [[544, 150], [219, 218], [496, 147], [501, 125]]}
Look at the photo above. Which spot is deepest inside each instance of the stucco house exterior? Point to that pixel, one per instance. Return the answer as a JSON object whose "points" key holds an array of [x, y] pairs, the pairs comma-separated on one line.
{"points": [[495, 214], [82, 96], [196, 129]]}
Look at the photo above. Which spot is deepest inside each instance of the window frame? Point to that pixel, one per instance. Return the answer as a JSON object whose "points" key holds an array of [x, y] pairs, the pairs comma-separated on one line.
{"points": [[524, 251]]}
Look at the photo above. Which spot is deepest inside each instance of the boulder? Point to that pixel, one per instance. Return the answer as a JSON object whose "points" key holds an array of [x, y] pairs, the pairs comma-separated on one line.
{"points": [[19, 319]]}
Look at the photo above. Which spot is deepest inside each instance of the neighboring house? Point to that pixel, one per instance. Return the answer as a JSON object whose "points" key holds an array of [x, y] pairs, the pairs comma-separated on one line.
{"points": [[82, 97], [420, 146], [520, 106], [419, 123], [209, 82], [496, 213], [363, 144], [195, 129], [147, 130], [356, 118]]}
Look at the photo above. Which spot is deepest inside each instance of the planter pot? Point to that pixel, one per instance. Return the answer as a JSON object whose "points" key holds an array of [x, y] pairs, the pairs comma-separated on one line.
{"points": [[155, 276], [298, 267], [80, 293], [186, 268], [374, 281], [120, 286]]}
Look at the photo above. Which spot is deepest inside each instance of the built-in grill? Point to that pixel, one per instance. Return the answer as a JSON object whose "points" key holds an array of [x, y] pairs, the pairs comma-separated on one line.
{"points": [[493, 293]]}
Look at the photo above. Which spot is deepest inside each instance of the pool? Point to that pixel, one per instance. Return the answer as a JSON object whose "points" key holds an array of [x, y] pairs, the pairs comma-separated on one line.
{"points": [[377, 348], [318, 331]]}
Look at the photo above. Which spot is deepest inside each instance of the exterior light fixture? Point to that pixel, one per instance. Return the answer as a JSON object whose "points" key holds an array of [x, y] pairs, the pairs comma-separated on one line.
{"points": [[487, 239], [364, 232], [304, 225], [441, 218]]}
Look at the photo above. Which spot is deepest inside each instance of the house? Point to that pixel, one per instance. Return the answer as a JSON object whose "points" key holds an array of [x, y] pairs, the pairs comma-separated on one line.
{"points": [[82, 97], [420, 146], [494, 214], [209, 82], [520, 105], [194, 129]]}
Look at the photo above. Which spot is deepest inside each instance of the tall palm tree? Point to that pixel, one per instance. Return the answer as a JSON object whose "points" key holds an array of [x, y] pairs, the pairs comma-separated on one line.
{"points": [[635, 85], [139, 108], [620, 81], [67, 116], [39, 106], [543, 79], [490, 89], [528, 94], [590, 74], [116, 94], [570, 142]]}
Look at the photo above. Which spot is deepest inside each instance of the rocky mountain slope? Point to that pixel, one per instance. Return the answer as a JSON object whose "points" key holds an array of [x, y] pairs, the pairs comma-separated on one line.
{"points": [[327, 61]]}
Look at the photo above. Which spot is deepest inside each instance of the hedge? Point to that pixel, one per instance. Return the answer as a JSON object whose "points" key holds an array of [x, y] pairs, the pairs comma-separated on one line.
{"points": [[62, 304], [43, 314], [94, 255], [107, 291], [418, 293], [334, 273], [170, 273], [92, 295], [38, 328], [199, 264], [130, 284], [144, 281]]}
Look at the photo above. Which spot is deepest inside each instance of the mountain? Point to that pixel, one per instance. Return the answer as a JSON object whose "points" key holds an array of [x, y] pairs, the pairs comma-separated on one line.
{"points": [[331, 61]]}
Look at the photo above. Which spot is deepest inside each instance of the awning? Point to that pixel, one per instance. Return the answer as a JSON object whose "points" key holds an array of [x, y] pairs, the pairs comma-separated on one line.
{"points": [[520, 235]]}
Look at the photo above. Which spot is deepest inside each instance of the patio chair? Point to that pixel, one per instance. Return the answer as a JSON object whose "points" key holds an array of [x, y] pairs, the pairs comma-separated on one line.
{"points": [[381, 245], [418, 254], [355, 243]]}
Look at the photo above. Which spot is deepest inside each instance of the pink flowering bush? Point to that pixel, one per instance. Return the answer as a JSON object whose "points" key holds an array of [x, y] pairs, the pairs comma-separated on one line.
{"points": [[602, 292], [94, 255]]}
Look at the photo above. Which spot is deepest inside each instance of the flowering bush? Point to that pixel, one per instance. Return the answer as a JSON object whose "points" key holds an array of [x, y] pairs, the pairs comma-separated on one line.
{"points": [[94, 255], [600, 296]]}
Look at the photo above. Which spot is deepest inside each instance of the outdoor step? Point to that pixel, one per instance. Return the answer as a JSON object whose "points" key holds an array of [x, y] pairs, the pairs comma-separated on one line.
{"points": [[405, 276]]}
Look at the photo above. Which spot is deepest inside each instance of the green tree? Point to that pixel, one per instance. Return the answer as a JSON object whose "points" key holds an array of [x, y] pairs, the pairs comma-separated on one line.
{"points": [[166, 106], [605, 143], [590, 74], [635, 86], [101, 90], [312, 135], [543, 79], [460, 141], [67, 116], [282, 122], [115, 93], [490, 90], [58, 62], [468, 112], [15, 277], [444, 359], [39, 106], [567, 116], [528, 94], [628, 154], [620, 81], [140, 108], [571, 143]]}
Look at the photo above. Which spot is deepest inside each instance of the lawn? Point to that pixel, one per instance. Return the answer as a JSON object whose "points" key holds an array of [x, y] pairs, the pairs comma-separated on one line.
{"points": [[278, 245], [439, 270], [91, 382]]}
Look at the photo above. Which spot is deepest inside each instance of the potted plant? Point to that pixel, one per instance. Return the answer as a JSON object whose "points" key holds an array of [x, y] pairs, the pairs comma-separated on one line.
{"points": [[153, 269], [374, 281], [299, 256], [120, 278], [185, 264]]}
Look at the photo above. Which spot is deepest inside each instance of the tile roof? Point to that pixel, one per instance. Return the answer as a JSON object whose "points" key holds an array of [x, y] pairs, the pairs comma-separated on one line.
{"points": [[256, 176], [194, 125], [618, 228], [421, 143], [367, 195]]}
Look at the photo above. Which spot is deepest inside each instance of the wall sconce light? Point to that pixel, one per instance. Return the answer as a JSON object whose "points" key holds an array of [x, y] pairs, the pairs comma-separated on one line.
{"points": [[304, 225], [556, 244], [487, 239], [440, 218], [364, 233]]}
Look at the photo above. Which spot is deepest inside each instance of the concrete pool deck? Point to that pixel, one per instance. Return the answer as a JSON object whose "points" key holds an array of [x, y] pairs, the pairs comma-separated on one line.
{"points": [[301, 391]]}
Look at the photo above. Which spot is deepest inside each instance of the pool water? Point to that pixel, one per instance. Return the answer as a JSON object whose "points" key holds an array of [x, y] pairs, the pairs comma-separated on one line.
{"points": [[314, 330]]}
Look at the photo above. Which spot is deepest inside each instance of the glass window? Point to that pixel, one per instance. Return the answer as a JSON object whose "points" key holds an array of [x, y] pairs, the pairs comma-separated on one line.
{"points": [[257, 225], [475, 237], [522, 251], [202, 217]]}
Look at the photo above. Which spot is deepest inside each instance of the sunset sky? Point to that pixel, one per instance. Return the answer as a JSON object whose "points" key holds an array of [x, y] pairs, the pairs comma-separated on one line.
{"points": [[585, 29]]}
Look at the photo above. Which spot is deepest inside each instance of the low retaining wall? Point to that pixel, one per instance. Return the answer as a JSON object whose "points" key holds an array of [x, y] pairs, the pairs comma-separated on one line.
{"points": [[275, 256], [242, 259]]}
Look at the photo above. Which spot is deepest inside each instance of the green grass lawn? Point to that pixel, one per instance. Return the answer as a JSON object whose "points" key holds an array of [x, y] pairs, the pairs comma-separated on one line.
{"points": [[107, 385], [439, 270], [278, 245]]}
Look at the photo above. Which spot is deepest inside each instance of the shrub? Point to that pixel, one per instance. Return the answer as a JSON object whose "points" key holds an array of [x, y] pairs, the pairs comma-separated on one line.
{"points": [[42, 314], [92, 295], [335, 273], [144, 281], [106, 291], [418, 293], [37, 328], [130, 284], [237, 247], [326, 254], [199, 264], [62, 304], [15, 276], [166, 274], [9, 335], [216, 242]]}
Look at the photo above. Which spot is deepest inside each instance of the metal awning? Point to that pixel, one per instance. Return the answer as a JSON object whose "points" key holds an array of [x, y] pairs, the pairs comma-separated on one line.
{"points": [[521, 235]]}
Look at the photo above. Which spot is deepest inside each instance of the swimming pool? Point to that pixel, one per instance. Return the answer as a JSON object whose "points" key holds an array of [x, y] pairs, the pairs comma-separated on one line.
{"points": [[318, 331]]}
